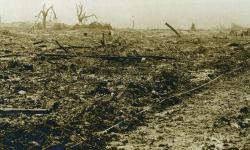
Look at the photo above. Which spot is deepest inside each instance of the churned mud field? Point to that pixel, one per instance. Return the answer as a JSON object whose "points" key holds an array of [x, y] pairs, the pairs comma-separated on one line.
{"points": [[217, 118], [119, 89]]}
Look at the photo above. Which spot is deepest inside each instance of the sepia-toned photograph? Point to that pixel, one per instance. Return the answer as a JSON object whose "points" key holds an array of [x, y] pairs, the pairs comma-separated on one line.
{"points": [[124, 75]]}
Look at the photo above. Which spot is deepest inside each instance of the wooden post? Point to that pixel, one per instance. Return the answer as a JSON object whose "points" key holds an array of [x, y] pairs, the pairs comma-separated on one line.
{"points": [[133, 23], [103, 39], [173, 29]]}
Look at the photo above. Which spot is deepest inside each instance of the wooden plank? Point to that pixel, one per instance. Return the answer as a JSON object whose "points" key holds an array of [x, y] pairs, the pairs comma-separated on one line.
{"points": [[16, 111]]}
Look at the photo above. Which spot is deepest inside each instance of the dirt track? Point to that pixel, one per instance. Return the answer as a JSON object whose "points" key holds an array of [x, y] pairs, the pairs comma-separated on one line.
{"points": [[210, 119]]}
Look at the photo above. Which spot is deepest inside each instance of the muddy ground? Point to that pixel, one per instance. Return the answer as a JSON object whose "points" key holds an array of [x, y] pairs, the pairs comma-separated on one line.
{"points": [[84, 94], [216, 118]]}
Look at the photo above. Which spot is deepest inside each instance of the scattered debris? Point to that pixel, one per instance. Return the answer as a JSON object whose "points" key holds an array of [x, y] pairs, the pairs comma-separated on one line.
{"points": [[22, 92]]}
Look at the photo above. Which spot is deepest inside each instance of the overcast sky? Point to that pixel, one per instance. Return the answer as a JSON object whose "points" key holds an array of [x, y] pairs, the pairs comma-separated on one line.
{"points": [[147, 13]]}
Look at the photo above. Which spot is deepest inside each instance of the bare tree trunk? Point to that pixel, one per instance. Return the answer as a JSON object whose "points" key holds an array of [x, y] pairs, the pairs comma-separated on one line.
{"points": [[44, 13], [44, 21], [80, 20]]}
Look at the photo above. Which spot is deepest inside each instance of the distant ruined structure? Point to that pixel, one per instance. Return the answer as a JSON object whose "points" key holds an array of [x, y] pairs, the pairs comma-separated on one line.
{"points": [[237, 30]]}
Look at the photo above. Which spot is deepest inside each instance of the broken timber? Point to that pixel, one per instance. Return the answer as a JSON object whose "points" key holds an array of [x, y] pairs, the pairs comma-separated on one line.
{"points": [[38, 42], [175, 31], [16, 111], [122, 58], [112, 58], [10, 55], [66, 48]]}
